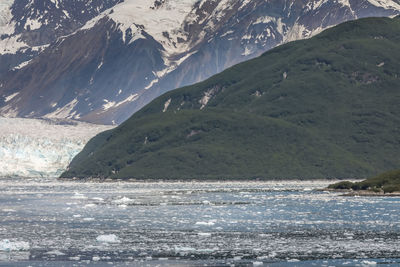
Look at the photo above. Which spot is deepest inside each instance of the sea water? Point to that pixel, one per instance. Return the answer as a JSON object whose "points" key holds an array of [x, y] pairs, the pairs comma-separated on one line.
{"points": [[47, 222]]}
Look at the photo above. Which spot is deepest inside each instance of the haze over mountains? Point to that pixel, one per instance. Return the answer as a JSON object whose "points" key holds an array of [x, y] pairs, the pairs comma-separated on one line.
{"points": [[100, 61]]}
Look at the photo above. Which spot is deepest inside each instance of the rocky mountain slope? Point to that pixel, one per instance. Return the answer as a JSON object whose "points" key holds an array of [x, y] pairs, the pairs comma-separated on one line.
{"points": [[27, 27], [317, 108], [136, 50]]}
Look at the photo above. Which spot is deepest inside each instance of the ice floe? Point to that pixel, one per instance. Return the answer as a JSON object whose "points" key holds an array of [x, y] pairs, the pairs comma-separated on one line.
{"points": [[111, 238], [8, 245]]}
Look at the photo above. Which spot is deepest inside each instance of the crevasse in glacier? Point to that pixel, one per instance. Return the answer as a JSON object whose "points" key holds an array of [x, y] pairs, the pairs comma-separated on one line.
{"points": [[41, 148]]}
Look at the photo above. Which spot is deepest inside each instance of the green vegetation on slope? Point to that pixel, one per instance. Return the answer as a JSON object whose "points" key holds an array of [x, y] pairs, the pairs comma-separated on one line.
{"points": [[318, 108], [387, 182]]}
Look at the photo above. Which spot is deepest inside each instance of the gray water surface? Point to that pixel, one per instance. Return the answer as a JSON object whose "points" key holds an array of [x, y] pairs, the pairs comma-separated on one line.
{"points": [[45, 222]]}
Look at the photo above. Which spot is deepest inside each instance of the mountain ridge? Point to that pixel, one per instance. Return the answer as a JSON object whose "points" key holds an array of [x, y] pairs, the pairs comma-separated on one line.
{"points": [[202, 39], [317, 108]]}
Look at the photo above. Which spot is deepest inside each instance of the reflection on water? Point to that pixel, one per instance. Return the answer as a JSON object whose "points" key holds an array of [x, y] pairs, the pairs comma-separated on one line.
{"points": [[180, 224]]}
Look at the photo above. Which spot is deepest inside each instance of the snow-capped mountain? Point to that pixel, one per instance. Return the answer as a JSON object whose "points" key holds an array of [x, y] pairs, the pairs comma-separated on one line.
{"points": [[41, 148], [138, 49], [29, 26]]}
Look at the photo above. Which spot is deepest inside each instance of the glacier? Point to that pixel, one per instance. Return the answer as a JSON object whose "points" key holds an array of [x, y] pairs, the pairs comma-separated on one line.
{"points": [[41, 147]]}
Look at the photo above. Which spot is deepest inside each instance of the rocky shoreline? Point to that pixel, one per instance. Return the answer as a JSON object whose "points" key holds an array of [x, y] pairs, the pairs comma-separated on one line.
{"points": [[362, 193]]}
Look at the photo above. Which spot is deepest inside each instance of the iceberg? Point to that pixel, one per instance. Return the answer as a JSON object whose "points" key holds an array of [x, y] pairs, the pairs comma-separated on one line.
{"points": [[111, 238], [8, 245], [41, 147]]}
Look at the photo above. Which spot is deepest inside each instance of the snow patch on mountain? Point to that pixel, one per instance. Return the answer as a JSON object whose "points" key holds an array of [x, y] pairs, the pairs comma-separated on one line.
{"points": [[345, 3], [8, 98], [23, 64], [108, 104], [163, 23], [41, 148], [312, 5], [387, 4], [112, 104], [33, 24], [166, 105], [65, 112], [6, 27], [9, 44], [299, 31], [9, 111]]}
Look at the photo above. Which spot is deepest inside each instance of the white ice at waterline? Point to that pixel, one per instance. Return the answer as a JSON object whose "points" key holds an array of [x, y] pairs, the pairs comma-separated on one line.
{"points": [[41, 148], [7, 245], [108, 238]]}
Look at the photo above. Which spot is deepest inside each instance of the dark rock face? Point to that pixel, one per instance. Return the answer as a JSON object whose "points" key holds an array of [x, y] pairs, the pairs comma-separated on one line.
{"points": [[56, 18], [122, 59]]}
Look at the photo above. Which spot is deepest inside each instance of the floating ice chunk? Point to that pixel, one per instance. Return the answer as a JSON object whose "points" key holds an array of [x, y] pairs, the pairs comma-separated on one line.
{"points": [[349, 235], [8, 210], [184, 249], [90, 205], [7, 245], [95, 258], [204, 234], [55, 252], [108, 238], [257, 263], [78, 196], [123, 200], [205, 223], [368, 263]]}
